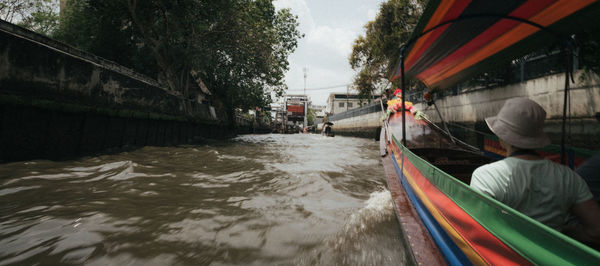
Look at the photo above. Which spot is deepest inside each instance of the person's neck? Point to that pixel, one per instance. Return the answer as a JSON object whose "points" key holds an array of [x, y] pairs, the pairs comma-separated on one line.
{"points": [[522, 153]]}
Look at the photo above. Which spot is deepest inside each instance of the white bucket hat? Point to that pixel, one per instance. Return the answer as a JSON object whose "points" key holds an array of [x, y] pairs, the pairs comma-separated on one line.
{"points": [[520, 123]]}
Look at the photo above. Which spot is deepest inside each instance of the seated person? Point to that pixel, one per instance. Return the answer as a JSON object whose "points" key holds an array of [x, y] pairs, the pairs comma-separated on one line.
{"points": [[590, 172], [530, 184]]}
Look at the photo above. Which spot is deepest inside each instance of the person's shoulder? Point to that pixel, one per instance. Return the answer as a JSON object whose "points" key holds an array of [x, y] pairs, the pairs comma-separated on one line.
{"points": [[494, 165], [491, 168], [557, 166], [561, 170]]}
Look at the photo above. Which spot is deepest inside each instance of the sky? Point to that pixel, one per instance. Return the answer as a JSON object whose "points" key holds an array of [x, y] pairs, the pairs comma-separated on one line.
{"points": [[330, 28]]}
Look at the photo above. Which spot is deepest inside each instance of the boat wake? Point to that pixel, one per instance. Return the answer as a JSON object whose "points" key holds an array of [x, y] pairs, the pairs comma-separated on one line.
{"points": [[372, 225], [378, 209]]}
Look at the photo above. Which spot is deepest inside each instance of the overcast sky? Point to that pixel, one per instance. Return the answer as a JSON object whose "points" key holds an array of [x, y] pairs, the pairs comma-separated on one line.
{"points": [[330, 27]]}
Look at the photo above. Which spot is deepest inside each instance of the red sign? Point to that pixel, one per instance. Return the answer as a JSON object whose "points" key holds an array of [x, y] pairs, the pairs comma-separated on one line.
{"points": [[296, 109]]}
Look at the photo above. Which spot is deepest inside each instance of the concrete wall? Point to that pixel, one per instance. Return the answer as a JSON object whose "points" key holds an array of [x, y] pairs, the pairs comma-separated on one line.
{"points": [[466, 112], [470, 109], [35, 67], [364, 126], [58, 101], [29, 132]]}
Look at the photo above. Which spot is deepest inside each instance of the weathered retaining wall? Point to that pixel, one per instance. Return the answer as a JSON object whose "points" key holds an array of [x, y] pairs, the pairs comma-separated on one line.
{"points": [[362, 122], [364, 126], [58, 102], [29, 132], [470, 109]]}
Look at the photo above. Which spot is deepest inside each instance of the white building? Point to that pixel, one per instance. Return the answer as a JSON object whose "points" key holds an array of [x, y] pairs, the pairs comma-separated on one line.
{"points": [[319, 110], [341, 102]]}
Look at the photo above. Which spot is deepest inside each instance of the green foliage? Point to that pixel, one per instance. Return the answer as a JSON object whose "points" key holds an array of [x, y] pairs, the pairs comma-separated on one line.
{"points": [[365, 81], [252, 62], [40, 16], [589, 44], [310, 117], [103, 28], [238, 48], [375, 54]]}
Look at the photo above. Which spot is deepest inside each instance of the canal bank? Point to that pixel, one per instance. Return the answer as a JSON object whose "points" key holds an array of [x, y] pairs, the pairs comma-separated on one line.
{"points": [[59, 102]]}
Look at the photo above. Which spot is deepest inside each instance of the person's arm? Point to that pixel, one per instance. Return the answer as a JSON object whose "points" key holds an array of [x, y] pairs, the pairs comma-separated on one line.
{"points": [[588, 231]]}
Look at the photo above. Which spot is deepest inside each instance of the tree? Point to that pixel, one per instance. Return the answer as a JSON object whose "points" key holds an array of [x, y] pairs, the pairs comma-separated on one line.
{"points": [[589, 44], [40, 16], [374, 55], [238, 48], [252, 62], [103, 28]]}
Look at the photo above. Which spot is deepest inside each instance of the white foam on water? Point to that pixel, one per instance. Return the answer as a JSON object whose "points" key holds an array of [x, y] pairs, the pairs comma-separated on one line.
{"points": [[366, 228], [378, 208]]}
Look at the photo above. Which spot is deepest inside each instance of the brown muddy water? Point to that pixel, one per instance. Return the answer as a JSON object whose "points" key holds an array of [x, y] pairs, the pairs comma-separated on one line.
{"points": [[253, 200]]}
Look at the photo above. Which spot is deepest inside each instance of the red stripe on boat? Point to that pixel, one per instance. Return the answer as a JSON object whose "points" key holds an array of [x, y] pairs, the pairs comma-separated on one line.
{"points": [[525, 11], [491, 249], [452, 13]]}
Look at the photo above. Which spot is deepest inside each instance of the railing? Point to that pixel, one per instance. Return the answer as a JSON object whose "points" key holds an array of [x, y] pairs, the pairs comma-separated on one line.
{"points": [[370, 108]]}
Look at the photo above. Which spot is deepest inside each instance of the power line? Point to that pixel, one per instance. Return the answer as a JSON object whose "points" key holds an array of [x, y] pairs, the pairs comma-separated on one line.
{"points": [[323, 88]]}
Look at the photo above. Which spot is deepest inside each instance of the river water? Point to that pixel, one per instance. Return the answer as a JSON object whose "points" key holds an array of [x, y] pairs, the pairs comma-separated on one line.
{"points": [[255, 200]]}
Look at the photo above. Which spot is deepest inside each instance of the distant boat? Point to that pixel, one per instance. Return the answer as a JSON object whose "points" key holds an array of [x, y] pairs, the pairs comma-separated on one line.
{"points": [[327, 129]]}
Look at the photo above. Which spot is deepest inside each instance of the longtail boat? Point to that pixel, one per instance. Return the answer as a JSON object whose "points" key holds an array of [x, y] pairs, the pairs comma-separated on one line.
{"points": [[428, 171]]}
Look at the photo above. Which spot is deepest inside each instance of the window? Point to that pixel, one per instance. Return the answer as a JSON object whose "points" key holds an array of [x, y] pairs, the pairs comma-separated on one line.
{"points": [[349, 105], [341, 105]]}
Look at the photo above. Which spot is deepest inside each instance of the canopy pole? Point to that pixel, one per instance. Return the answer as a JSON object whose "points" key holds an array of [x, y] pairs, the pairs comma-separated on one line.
{"points": [[565, 103], [403, 93]]}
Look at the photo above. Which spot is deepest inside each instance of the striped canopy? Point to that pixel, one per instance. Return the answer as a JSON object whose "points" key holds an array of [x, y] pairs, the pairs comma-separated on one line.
{"points": [[456, 39]]}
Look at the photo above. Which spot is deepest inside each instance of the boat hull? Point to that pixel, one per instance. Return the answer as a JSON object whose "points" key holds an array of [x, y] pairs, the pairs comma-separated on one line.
{"points": [[465, 226]]}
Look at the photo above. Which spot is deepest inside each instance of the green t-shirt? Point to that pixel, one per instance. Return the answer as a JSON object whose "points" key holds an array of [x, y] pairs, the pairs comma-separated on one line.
{"points": [[540, 189]]}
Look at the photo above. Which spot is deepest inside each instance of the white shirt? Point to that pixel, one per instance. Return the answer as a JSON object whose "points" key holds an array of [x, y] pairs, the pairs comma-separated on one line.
{"points": [[540, 189]]}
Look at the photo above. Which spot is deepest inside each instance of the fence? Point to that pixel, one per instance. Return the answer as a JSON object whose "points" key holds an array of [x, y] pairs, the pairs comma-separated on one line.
{"points": [[370, 108]]}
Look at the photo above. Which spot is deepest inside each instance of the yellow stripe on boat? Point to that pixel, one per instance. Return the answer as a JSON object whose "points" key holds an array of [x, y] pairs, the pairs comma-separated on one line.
{"points": [[456, 237]]}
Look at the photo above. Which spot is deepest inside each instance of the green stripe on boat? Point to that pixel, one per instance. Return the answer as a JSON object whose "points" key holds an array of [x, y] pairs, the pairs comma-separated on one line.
{"points": [[533, 240]]}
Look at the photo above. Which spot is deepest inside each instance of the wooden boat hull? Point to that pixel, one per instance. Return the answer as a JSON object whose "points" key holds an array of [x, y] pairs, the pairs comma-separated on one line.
{"points": [[445, 221]]}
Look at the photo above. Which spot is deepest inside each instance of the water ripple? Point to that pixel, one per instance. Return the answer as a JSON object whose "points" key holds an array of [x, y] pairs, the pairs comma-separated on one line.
{"points": [[258, 200]]}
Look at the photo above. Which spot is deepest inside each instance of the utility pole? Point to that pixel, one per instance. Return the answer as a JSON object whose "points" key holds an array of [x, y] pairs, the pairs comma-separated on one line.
{"points": [[285, 116], [305, 75], [305, 99]]}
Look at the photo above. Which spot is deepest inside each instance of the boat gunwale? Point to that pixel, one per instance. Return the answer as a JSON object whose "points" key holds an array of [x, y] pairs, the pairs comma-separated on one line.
{"points": [[419, 237]]}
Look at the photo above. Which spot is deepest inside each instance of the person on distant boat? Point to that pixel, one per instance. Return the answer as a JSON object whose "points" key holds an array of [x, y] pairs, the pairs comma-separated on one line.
{"points": [[530, 184]]}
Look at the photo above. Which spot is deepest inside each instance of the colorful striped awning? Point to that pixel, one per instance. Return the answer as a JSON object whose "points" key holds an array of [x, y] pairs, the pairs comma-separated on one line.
{"points": [[471, 36]]}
